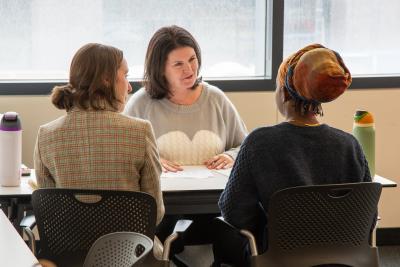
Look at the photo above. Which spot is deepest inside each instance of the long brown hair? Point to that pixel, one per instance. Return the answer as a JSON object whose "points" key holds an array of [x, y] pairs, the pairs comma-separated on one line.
{"points": [[92, 79], [161, 44]]}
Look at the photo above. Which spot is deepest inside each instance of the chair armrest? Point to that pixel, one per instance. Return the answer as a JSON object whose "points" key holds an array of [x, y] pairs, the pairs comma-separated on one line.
{"points": [[246, 233], [27, 224], [180, 227], [28, 221], [252, 241]]}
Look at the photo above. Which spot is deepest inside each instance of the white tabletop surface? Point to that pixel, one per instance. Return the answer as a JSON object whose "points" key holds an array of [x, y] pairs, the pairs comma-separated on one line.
{"points": [[23, 189], [192, 178], [13, 250], [384, 181]]}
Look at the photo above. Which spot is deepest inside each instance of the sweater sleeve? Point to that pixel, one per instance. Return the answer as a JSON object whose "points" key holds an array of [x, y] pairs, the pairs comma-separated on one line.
{"points": [[239, 203], [235, 127], [43, 176], [151, 171]]}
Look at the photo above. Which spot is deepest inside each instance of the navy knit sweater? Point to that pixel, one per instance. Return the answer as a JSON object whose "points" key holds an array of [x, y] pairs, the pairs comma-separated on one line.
{"points": [[285, 155]]}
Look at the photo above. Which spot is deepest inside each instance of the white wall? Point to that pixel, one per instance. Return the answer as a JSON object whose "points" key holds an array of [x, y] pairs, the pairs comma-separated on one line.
{"points": [[258, 109]]}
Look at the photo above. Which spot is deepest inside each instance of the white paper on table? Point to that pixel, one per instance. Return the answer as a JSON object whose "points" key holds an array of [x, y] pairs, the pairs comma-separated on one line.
{"points": [[194, 172], [194, 178], [222, 172]]}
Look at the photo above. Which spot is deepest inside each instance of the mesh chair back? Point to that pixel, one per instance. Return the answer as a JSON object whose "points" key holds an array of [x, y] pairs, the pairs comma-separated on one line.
{"points": [[315, 222], [123, 249], [68, 226]]}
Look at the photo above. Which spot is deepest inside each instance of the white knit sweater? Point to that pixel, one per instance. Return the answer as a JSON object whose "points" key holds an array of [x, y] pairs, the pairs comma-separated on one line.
{"points": [[190, 135]]}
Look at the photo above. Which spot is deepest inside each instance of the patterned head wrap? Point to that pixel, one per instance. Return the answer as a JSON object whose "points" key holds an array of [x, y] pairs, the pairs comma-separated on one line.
{"points": [[315, 75]]}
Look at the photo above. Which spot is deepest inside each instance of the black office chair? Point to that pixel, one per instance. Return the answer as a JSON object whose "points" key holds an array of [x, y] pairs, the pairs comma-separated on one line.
{"points": [[321, 225], [69, 221]]}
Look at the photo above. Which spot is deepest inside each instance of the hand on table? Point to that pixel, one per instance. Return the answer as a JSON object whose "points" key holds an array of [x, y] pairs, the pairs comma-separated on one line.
{"points": [[221, 161], [169, 166]]}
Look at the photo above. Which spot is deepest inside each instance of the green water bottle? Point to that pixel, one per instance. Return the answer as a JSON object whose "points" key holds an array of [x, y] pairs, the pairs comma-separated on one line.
{"points": [[364, 132]]}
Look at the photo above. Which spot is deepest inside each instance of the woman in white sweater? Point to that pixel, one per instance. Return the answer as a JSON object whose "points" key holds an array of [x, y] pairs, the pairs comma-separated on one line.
{"points": [[194, 122]]}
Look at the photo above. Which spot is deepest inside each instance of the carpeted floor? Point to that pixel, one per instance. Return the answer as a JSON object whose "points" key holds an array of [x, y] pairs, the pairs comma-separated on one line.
{"points": [[389, 256], [201, 256]]}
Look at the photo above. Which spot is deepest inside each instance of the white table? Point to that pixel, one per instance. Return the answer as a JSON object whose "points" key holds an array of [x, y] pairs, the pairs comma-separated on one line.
{"points": [[384, 181], [13, 250], [194, 192], [183, 194], [211, 180]]}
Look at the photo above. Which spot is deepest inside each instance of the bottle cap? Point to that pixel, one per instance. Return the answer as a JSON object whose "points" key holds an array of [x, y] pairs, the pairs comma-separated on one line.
{"points": [[363, 117], [10, 122]]}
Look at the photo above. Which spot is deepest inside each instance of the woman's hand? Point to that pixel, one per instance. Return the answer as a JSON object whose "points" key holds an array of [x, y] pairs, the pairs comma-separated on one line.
{"points": [[169, 166], [221, 161]]}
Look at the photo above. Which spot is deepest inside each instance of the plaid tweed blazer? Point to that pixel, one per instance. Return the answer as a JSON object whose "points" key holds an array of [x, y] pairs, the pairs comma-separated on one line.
{"points": [[99, 150]]}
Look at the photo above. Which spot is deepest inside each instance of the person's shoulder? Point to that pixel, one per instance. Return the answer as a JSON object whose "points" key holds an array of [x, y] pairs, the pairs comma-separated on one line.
{"points": [[53, 125], [340, 133], [138, 103], [48, 133], [134, 127], [261, 134], [140, 95], [213, 91], [263, 130], [215, 96], [131, 122]]}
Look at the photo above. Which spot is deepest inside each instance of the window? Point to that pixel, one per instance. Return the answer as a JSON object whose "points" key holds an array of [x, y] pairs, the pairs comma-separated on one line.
{"points": [[242, 41], [43, 35], [363, 32]]}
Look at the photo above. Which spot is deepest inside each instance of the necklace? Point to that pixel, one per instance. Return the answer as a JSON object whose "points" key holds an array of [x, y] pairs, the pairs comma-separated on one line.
{"points": [[299, 123]]}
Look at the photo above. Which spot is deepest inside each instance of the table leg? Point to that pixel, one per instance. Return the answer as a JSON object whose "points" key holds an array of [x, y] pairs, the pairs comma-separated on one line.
{"points": [[373, 241], [374, 237]]}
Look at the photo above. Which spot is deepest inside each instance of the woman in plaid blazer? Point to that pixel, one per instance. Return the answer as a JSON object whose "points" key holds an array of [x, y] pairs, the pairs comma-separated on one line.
{"points": [[93, 146]]}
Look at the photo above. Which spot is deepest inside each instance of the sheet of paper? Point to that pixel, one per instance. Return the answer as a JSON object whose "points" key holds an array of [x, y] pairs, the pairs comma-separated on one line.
{"points": [[194, 172], [223, 172], [197, 172]]}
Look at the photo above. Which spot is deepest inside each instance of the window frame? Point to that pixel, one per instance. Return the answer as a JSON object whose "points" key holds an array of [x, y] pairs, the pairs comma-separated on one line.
{"points": [[227, 85]]}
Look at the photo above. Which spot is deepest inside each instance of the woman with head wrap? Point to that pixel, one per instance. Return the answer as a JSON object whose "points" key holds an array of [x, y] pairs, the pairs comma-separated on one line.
{"points": [[299, 151]]}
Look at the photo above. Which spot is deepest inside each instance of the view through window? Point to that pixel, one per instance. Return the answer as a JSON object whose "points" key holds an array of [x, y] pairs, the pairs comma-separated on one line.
{"points": [[363, 32], [39, 37]]}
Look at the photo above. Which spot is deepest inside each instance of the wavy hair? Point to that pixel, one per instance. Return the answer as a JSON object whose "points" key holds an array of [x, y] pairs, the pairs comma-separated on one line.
{"points": [[92, 79]]}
